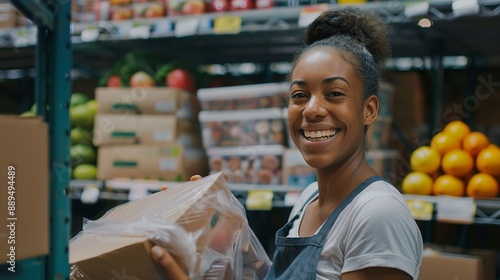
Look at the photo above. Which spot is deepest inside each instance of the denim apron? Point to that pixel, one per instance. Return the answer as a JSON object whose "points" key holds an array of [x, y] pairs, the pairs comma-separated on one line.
{"points": [[296, 258]]}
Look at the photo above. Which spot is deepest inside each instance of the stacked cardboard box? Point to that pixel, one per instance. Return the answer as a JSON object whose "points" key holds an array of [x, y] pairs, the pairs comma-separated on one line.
{"points": [[147, 133]]}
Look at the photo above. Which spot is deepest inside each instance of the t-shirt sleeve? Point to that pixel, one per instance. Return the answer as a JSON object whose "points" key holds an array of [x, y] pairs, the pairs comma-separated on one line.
{"points": [[383, 234]]}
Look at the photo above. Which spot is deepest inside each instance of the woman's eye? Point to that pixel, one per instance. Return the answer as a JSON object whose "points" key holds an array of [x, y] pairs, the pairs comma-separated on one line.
{"points": [[335, 93], [297, 95]]}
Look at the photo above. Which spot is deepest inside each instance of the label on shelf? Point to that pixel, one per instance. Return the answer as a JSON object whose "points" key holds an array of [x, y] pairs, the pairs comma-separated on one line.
{"points": [[465, 8], [89, 35], [417, 9], [90, 194], [186, 26], [420, 210], [227, 24], [456, 209], [140, 32], [259, 200], [137, 191], [310, 13]]}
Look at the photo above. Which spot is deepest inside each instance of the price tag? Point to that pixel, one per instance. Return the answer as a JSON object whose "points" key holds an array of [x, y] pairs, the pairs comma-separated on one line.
{"points": [[310, 13], [140, 32], [186, 27], [90, 35], [90, 194], [420, 210], [418, 9], [465, 7], [291, 198], [259, 200], [227, 25], [137, 192], [456, 209]]}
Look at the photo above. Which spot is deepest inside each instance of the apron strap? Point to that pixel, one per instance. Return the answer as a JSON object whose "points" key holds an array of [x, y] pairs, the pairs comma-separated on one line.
{"points": [[333, 217]]}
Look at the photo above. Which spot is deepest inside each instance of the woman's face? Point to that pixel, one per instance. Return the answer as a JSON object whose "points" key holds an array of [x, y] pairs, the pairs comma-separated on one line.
{"points": [[327, 112]]}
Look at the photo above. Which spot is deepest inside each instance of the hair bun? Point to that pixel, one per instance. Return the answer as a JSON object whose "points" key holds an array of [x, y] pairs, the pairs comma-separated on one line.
{"points": [[366, 28]]}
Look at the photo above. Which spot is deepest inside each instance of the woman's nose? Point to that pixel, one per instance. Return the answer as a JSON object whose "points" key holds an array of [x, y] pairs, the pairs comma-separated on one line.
{"points": [[314, 108]]}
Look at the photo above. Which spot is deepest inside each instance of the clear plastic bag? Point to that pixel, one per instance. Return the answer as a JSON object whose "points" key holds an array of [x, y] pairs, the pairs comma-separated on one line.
{"points": [[200, 223]]}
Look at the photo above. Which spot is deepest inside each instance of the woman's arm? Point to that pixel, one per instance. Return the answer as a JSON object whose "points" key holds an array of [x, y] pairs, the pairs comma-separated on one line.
{"points": [[376, 273]]}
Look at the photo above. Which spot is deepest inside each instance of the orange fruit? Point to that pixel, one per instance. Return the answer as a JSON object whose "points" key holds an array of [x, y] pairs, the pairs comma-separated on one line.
{"points": [[475, 142], [417, 183], [482, 185], [458, 129], [425, 159], [488, 161], [444, 142], [448, 185], [457, 163]]}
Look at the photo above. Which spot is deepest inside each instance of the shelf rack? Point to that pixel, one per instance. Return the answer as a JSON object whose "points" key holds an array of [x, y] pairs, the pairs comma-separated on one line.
{"points": [[53, 63]]}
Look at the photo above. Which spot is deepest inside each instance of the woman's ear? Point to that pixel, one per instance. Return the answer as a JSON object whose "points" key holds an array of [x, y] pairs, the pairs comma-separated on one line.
{"points": [[370, 109]]}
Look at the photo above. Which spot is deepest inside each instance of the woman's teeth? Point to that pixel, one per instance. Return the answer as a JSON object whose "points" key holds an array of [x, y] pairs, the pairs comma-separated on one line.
{"points": [[319, 135]]}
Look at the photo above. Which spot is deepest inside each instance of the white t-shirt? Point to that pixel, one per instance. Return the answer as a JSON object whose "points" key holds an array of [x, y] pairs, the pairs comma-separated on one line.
{"points": [[375, 230]]}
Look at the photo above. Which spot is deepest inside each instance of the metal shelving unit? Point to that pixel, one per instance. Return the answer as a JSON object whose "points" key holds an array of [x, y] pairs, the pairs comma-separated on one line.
{"points": [[53, 63]]}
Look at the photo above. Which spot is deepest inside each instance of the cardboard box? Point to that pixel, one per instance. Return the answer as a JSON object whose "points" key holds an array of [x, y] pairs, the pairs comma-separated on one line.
{"points": [[206, 209], [163, 162], [112, 129], [24, 148], [487, 259], [158, 100], [451, 266]]}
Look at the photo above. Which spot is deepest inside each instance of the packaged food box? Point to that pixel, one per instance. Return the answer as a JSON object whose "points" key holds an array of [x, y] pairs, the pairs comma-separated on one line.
{"points": [[259, 164], [158, 100], [271, 95], [158, 162], [199, 222], [296, 171], [242, 127], [112, 129]]}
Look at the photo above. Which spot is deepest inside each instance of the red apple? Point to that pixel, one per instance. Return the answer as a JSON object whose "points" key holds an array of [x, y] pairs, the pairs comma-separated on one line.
{"points": [[180, 78], [193, 7], [264, 4], [114, 81], [141, 79], [155, 11]]}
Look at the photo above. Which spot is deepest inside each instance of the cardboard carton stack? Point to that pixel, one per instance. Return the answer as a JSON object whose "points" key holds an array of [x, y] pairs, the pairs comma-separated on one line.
{"points": [[147, 133]]}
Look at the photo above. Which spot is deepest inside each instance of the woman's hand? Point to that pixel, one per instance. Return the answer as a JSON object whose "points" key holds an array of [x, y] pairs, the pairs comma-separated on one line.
{"points": [[168, 265]]}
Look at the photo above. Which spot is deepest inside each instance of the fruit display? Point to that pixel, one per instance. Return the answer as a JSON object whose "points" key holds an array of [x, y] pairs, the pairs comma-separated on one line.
{"points": [[458, 162], [83, 154], [139, 69]]}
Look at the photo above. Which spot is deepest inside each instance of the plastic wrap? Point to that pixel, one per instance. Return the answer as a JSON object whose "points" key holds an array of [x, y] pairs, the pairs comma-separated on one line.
{"points": [[200, 223]]}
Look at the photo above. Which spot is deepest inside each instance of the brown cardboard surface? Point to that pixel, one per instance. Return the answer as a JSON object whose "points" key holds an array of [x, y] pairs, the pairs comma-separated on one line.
{"points": [[195, 206], [451, 266], [145, 129], [24, 145], [159, 100], [158, 162]]}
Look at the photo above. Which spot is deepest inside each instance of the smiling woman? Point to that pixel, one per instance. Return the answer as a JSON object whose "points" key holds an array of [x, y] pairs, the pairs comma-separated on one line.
{"points": [[350, 224]]}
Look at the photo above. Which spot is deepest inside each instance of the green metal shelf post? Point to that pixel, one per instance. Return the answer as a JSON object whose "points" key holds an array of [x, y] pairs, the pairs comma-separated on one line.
{"points": [[53, 61]]}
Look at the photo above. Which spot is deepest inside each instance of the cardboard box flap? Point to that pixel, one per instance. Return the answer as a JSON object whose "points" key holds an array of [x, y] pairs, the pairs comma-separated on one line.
{"points": [[90, 246]]}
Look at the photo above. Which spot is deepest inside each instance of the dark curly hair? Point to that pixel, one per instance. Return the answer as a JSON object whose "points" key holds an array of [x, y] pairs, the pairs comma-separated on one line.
{"points": [[361, 37]]}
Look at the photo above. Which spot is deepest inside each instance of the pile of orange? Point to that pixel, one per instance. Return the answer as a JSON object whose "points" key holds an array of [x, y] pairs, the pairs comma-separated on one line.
{"points": [[458, 162]]}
